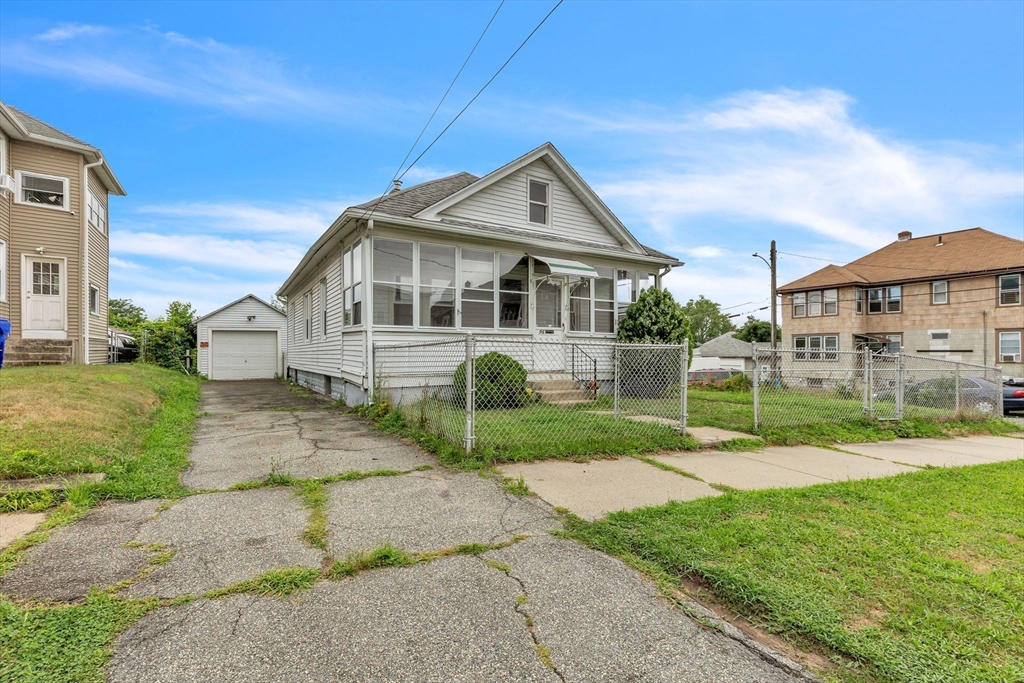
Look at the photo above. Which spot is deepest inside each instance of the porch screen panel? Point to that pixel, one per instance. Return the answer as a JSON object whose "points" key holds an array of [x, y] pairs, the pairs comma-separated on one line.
{"points": [[579, 306], [625, 291], [604, 301], [437, 286], [392, 282], [477, 288], [513, 294]]}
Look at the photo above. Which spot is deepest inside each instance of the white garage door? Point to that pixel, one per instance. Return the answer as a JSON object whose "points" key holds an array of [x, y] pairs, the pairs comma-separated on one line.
{"points": [[243, 354]]}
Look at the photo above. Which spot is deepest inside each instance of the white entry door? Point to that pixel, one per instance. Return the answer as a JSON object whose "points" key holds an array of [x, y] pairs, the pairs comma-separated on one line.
{"points": [[550, 319], [45, 297], [243, 354]]}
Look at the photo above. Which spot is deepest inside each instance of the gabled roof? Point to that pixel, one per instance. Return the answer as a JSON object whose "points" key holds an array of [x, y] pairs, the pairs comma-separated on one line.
{"points": [[566, 173], [23, 126], [409, 202], [726, 346], [953, 254], [238, 301]]}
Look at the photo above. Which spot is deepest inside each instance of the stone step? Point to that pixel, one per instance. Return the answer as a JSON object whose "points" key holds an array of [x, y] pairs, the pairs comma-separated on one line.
{"points": [[39, 343], [16, 363]]}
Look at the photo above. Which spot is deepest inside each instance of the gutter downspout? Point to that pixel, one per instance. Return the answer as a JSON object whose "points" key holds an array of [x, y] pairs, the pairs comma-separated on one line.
{"points": [[662, 274], [85, 258]]}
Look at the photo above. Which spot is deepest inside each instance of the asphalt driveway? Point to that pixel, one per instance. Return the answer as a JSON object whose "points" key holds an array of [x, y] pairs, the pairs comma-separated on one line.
{"points": [[534, 607]]}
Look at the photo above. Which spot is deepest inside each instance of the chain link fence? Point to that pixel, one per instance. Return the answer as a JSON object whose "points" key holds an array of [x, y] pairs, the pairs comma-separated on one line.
{"points": [[524, 397], [806, 386]]}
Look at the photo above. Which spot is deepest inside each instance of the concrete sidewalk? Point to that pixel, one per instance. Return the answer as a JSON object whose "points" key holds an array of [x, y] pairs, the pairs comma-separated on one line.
{"points": [[592, 490]]}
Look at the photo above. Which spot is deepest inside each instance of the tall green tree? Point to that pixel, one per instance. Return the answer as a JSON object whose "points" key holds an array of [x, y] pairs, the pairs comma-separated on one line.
{"points": [[706, 319], [755, 330], [167, 339], [125, 315]]}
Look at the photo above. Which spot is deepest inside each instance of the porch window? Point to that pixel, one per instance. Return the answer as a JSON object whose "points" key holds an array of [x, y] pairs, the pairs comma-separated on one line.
{"points": [[579, 306], [860, 300], [799, 305], [352, 278], [513, 295], [813, 303], [875, 297], [604, 301], [477, 288], [43, 190], [831, 301], [539, 204], [1009, 347], [940, 292], [625, 291], [893, 301], [437, 286], [392, 282], [1009, 290]]}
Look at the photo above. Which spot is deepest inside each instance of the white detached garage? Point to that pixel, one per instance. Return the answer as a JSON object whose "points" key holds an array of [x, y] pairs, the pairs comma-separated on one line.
{"points": [[243, 340]]}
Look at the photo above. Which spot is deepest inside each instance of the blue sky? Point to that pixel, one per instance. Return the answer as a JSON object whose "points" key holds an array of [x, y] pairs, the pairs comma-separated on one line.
{"points": [[241, 130]]}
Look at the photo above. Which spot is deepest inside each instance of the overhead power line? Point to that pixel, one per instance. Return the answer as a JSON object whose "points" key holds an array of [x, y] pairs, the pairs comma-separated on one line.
{"points": [[438, 107]]}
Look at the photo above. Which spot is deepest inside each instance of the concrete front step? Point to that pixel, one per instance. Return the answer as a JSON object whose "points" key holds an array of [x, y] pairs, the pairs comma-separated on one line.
{"points": [[25, 352]]}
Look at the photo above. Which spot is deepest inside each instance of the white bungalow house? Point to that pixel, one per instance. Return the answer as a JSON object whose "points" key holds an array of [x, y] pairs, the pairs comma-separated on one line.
{"points": [[527, 251]]}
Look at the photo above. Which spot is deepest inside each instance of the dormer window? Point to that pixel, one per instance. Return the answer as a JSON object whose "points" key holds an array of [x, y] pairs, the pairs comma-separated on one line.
{"points": [[540, 201]]}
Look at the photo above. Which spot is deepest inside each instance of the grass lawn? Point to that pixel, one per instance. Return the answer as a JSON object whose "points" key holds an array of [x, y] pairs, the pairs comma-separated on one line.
{"points": [[918, 577], [133, 422]]}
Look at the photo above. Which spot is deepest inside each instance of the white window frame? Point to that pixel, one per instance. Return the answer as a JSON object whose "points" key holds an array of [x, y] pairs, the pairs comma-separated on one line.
{"points": [[307, 314], [944, 293], [322, 298], [816, 347], [529, 201], [94, 310], [3, 154], [999, 290], [814, 299], [352, 280], [859, 299], [880, 300], [462, 289], [18, 178], [826, 301], [97, 213], [889, 299], [418, 286], [3, 271], [1015, 356], [800, 301]]}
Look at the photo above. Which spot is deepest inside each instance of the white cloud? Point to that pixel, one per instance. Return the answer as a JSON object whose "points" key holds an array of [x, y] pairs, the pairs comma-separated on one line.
{"points": [[703, 251], [307, 220], [267, 257], [67, 31], [198, 71]]}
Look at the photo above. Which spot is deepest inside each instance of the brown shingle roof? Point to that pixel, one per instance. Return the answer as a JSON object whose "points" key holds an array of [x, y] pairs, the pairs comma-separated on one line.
{"points": [[409, 202], [963, 252], [37, 127]]}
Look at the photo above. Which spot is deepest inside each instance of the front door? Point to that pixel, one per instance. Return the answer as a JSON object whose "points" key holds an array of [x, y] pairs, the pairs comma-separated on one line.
{"points": [[549, 318], [45, 296]]}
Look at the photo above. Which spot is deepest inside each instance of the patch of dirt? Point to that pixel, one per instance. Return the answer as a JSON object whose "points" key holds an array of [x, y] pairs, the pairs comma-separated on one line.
{"points": [[872, 619], [698, 592], [978, 565], [1012, 538], [837, 502], [757, 515]]}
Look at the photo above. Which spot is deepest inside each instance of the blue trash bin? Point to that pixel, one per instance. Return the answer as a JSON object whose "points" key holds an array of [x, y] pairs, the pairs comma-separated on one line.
{"points": [[5, 332]]}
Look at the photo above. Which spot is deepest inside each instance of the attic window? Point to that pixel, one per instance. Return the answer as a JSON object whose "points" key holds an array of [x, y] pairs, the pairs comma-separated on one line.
{"points": [[539, 202]]}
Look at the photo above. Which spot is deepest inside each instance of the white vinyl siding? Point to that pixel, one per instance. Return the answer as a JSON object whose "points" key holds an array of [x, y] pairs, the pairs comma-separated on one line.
{"points": [[236, 317], [506, 203]]}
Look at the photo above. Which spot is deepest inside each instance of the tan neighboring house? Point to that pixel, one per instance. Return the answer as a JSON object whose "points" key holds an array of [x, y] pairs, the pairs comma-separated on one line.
{"points": [[955, 296], [54, 242]]}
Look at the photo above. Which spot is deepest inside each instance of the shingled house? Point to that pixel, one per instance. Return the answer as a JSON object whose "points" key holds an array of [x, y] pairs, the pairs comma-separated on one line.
{"points": [[955, 296]]}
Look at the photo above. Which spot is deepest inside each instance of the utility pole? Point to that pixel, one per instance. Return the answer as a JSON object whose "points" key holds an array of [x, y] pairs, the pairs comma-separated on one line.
{"points": [[773, 257]]}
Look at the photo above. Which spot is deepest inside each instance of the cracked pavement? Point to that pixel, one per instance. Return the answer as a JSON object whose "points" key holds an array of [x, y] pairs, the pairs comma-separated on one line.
{"points": [[540, 609]]}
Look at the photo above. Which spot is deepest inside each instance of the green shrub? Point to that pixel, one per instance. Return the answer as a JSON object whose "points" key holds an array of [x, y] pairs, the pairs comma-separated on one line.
{"points": [[500, 382], [740, 382]]}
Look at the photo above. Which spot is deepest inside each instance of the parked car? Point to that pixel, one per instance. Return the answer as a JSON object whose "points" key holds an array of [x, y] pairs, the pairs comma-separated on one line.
{"points": [[1013, 394], [121, 347], [976, 395]]}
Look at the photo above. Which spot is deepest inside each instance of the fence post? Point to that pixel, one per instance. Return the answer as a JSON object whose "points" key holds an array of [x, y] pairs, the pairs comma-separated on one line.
{"points": [[757, 386], [616, 379], [899, 386], [470, 394], [865, 365], [956, 392], [999, 394], [684, 358]]}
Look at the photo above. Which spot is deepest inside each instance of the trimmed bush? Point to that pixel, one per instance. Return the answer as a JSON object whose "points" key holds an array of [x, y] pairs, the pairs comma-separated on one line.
{"points": [[500, 382], [655, 318]]}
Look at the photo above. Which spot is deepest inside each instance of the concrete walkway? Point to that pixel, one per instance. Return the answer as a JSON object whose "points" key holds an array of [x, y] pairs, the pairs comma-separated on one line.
{"points": [[592, 490], [539, 608]]}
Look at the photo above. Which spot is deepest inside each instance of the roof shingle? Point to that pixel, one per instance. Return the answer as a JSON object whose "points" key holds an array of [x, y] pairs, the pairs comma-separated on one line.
{"points": [[922, 258], [43, 129]]}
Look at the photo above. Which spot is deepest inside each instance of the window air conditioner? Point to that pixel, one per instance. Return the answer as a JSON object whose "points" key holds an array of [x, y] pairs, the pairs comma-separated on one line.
{"points": [[1009, 358], [6, 183]]}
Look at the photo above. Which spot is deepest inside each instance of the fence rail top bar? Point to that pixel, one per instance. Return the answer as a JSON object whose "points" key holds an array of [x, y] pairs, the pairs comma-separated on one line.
{"points": [[407, 345], [768, 352]]}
